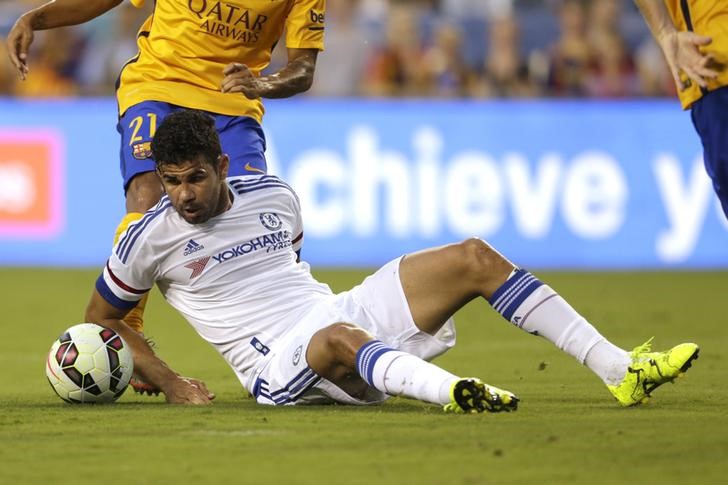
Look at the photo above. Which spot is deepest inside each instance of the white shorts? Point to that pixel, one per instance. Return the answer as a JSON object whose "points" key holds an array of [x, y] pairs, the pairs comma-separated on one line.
{"points": [[378, 305]]}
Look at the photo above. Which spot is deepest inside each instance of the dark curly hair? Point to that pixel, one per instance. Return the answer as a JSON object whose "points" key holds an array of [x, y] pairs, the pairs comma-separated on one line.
{"points": [[185, 135]]}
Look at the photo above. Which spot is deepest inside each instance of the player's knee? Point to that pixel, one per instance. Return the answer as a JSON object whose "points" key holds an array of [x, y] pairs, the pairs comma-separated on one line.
{"points": [[480, 261], [344, 340]]}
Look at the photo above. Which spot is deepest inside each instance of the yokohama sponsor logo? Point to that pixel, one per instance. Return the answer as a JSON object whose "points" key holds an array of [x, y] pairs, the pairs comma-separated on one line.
{"points": [[272, 241]]}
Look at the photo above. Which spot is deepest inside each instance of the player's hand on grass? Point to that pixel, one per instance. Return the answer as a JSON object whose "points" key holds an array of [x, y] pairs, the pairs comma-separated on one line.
{"points": [[201, 386], [185, 390], [682, 51], [18, 42], [239, 79]]}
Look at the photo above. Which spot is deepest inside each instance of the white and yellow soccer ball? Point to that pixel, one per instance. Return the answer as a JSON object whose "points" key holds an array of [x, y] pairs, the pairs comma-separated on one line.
{"points": [[89, 364]]}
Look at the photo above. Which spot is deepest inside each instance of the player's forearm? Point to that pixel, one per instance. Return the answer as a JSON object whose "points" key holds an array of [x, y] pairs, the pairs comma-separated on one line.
{"points": [[296, 77], [657, 17], [146, 363], [60, 13]]}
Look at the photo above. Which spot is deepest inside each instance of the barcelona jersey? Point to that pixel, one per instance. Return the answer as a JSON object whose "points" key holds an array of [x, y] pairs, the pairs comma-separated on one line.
{"points": [[184, 46], [710, 18]]}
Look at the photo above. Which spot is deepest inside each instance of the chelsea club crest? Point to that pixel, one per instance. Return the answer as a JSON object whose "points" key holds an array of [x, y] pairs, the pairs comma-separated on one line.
{"points": [[270, 220], [297, 355]]}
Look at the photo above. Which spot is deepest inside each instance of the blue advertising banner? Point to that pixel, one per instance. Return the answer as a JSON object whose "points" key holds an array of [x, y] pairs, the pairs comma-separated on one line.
{"points": [[552, 184]]}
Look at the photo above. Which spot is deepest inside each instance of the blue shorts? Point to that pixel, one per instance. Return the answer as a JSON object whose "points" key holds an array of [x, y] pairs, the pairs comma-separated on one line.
{"points": [[710, 117], [241, 138]]}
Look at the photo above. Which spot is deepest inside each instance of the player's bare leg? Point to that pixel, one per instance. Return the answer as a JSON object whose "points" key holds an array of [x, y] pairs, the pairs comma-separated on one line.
{"points": [[439, 281], [143, 192], [332, 355]]}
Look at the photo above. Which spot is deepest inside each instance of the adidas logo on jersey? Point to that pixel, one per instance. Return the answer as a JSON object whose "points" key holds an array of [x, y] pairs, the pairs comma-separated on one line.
{"points": [[192, 247]]}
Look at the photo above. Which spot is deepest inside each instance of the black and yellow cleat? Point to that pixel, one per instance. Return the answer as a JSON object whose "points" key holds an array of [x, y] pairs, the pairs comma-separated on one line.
{"points": [[471, 395]]}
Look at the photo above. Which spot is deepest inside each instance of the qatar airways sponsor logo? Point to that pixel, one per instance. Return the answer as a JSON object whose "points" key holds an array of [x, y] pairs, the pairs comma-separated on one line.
{"points": [[274, 241], [227, 20]]}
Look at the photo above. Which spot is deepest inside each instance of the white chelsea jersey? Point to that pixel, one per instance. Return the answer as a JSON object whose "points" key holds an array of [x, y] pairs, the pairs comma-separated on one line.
{"points": [[234, 278]]}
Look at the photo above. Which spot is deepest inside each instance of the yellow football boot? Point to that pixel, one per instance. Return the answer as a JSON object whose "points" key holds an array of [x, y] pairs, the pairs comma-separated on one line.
{"points": [[649, 370]]}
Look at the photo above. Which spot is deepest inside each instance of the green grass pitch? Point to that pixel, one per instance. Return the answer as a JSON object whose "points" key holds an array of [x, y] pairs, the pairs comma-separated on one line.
{"points": [[567, 430]]}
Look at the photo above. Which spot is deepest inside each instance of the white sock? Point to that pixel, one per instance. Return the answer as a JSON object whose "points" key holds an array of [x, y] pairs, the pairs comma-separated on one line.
{"points": [[608, 361], [536, 308], [401, 374]]}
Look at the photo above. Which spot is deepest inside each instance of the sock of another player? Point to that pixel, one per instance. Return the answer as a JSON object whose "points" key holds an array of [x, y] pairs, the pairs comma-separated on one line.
{"points": [[531, 305]]}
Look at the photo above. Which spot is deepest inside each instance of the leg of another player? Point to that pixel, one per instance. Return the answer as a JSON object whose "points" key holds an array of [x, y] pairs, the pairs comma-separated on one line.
{"points": [[710, 118], [143, 192], [439, 281]]}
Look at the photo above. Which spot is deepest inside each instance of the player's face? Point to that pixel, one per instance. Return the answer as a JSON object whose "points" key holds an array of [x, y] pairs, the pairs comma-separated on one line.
{"points": [[196, 189]]}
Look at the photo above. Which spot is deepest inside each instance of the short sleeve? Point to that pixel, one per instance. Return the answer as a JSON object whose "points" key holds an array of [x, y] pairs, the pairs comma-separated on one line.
{"points": [[297, 241], [305, 25], [130, 271]]}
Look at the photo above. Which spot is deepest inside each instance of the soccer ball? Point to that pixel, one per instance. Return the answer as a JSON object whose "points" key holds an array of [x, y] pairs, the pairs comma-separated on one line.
{"points": [[89, 363]]}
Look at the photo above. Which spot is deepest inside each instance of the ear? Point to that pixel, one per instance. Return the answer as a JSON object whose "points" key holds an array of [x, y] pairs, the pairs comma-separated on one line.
{"points": [[223, 166]]}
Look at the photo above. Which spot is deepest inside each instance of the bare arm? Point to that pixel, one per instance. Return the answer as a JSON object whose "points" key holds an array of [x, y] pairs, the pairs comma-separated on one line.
{"points": [[150, 367], [56, 13], [681, 49], [296, 77]]}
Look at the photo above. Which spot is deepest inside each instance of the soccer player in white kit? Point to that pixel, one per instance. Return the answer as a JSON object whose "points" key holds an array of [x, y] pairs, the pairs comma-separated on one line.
{"points": [[225, 254]]}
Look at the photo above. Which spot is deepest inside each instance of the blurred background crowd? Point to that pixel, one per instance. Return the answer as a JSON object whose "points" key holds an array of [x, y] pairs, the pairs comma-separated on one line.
{"points": [[398, 48]]}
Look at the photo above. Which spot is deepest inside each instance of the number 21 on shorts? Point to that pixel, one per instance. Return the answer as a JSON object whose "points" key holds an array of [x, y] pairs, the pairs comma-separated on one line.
{"points": [[141, 148]]}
